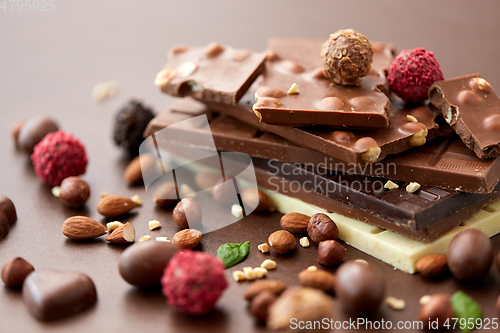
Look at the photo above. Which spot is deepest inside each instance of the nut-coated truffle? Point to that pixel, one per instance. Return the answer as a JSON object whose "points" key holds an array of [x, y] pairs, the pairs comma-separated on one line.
{"points": [[130, 123], [411, 74], [346, 56]]}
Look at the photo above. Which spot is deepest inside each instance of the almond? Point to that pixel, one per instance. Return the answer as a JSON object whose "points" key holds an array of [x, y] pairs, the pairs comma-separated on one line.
{"points": [[123, 234], [142, 164], [114, 205], [274, 286], [82, 227], [318, 279], [295, 222], [282, 241], [432, 265], [187, 238]]}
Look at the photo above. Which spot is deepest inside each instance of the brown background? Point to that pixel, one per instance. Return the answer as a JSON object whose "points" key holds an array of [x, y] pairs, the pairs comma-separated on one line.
{"points": [[49, 63]]}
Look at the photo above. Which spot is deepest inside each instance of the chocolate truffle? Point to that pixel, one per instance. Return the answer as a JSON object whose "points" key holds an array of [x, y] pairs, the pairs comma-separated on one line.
{"points": [[33, 131], [346, 56], [470, 255], [7, 206], [130, 123]]}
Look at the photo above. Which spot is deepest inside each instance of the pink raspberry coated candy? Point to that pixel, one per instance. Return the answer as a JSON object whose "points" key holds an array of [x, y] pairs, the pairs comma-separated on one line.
{"points": [[58, 156], [193, 281], [412, 72]]}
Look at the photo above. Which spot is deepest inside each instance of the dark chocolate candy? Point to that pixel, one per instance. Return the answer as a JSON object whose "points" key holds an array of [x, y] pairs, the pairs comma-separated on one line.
{"points": [[443, 162], [142, 264], [4, 224], [34, 130], [50, 294], [215, 73], [362, 146], [15, 271], [320, 102], [470, 106], [7, 206]]}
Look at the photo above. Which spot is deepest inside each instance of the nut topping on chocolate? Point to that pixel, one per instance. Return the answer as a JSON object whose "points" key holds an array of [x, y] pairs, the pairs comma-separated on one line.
{"points": [[347, 56]]}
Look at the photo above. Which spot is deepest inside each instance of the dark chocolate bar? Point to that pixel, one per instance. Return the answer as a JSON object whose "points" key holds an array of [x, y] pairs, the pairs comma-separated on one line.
{"points": [[472, 108], [409, 127], [317, 101], [215, 73], [443, 162]]}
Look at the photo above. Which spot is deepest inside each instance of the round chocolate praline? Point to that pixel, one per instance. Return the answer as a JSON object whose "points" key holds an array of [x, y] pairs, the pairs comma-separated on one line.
{"points": [[33, 131], [346, 56], [130, 123], [470, 255], [7, 206]]}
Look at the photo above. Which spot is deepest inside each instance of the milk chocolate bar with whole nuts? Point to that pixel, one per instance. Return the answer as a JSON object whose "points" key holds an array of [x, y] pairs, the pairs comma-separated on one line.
{"points": [[296, 93], [472, 108], [444, 162], [214, 73]]}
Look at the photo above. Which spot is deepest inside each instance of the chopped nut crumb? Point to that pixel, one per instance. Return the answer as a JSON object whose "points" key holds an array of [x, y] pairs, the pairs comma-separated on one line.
{"points": [[113, 225], [425, 299], [304, 241], [164, 77], [391, 185], [259, 272], [294, 89], [104, 90], [412, 187], [144, 238], [264, 248], [411, 118], [237, 211], [249, 273], [312, 268], [104, 194], [395, 303], [162, 239], [268, 264], [361, 261], [56, 191], [154, 224], [187, 69], [186, 192], [238, 276], [136, 199]]}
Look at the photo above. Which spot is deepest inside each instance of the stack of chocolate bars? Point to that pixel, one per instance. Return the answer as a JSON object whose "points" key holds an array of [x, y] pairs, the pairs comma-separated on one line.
{"points": [[399, 180]]}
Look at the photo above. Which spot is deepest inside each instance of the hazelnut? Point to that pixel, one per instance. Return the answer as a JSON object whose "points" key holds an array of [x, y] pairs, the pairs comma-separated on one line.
{"points": [[437, 308], [74, 192], [321, 228], [187, 212], [166, 194], [331, 253], [15, 271], [256, 198], [260, 304], [224, 194], [206, 180], [282, 241]]}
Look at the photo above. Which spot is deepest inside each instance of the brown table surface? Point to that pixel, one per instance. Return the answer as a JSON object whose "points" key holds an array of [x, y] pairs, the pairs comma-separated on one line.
{"points": [[49, 63]]}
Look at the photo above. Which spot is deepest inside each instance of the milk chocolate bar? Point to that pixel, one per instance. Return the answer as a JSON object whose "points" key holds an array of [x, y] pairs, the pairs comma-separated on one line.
{"points": [[472, 108], [316, 101], [214, 73], [443, 162], [408, 127]]}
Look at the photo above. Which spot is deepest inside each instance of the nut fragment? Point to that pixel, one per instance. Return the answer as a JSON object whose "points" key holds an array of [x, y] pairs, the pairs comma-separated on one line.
{"points": [[369, 148], [312, 268], [391, 185], [162, 239], [104, 90], [432, 265], [113, 225], [213, 50], [481, 84], [154, 224], [176, 49], [264, 248], [331, 253], [412, 187], [259, 272], [187, 238], [438, 308], [187, 69], [395, 303], [237, 211], [249, 273], [238, 276], [137, 199], [122, 234], [411, 118], [268, 264], [294, 89], [164, 77], [304, 242], [282, 241], [425, 299], [419, 138], [144, 238], [321, 228]]}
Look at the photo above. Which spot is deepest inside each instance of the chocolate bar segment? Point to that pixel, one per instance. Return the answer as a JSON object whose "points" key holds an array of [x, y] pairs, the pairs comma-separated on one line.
{"points": [[472, 108], [443, 162], [214, 73], [314, 100]]}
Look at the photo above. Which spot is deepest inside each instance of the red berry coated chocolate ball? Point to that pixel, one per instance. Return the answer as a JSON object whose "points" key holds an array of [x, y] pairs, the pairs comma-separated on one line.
{"points": [[411, 74], [59, 155], [193, 281]]}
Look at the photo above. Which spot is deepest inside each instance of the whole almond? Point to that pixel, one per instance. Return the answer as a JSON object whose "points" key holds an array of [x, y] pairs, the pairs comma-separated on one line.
{"points": [[296, 223], [82, 227], [318, 279], [252, 197], [282, 241], [187, 238], [142, 164], [274, 286], [123, 234], [432, 265], [115, 205], [15, 271], [438, 308]]}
